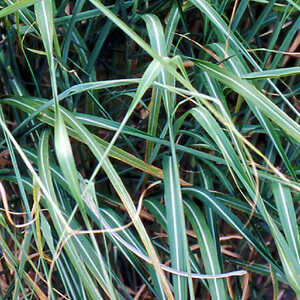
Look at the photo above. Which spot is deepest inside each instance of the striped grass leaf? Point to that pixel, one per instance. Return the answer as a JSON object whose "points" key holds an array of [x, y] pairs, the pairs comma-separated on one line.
{"points": [[215, 18], [205, 177], [173, 20], [23, 248], [97, 85], [272, 178], [30, 168], [193, 145], [275, 39], [36, 209], [23, 259], [158, 44], [165, 63], [44, 18], [201, 140], [80, 16], [222, 107], [136, 251], [66, 160], [57, 175], [287, 215], [279, 6], [59, 221], [232, 128], [11, 145], [275, 284], [219, 173], [208, 250], [67, 164], [26, 181], [294, 4], [155, 32], [207, 182], [274, 138], [210, 125], [287, 255], [175, 228], [15, 7], [254, 97], [276, 73]]}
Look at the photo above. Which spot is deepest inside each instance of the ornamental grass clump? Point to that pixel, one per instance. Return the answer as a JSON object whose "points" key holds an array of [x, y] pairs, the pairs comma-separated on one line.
{"points": [[149, 149]]}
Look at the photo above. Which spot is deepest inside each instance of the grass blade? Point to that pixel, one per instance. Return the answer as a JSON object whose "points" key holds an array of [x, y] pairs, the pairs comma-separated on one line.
{"points": [[277, 73], [175, 228], [286, 211], [13, 8], [208, 250]]}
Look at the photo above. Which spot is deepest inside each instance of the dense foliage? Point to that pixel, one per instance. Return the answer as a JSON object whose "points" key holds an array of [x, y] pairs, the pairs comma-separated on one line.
{"points": [[149, 149]]}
